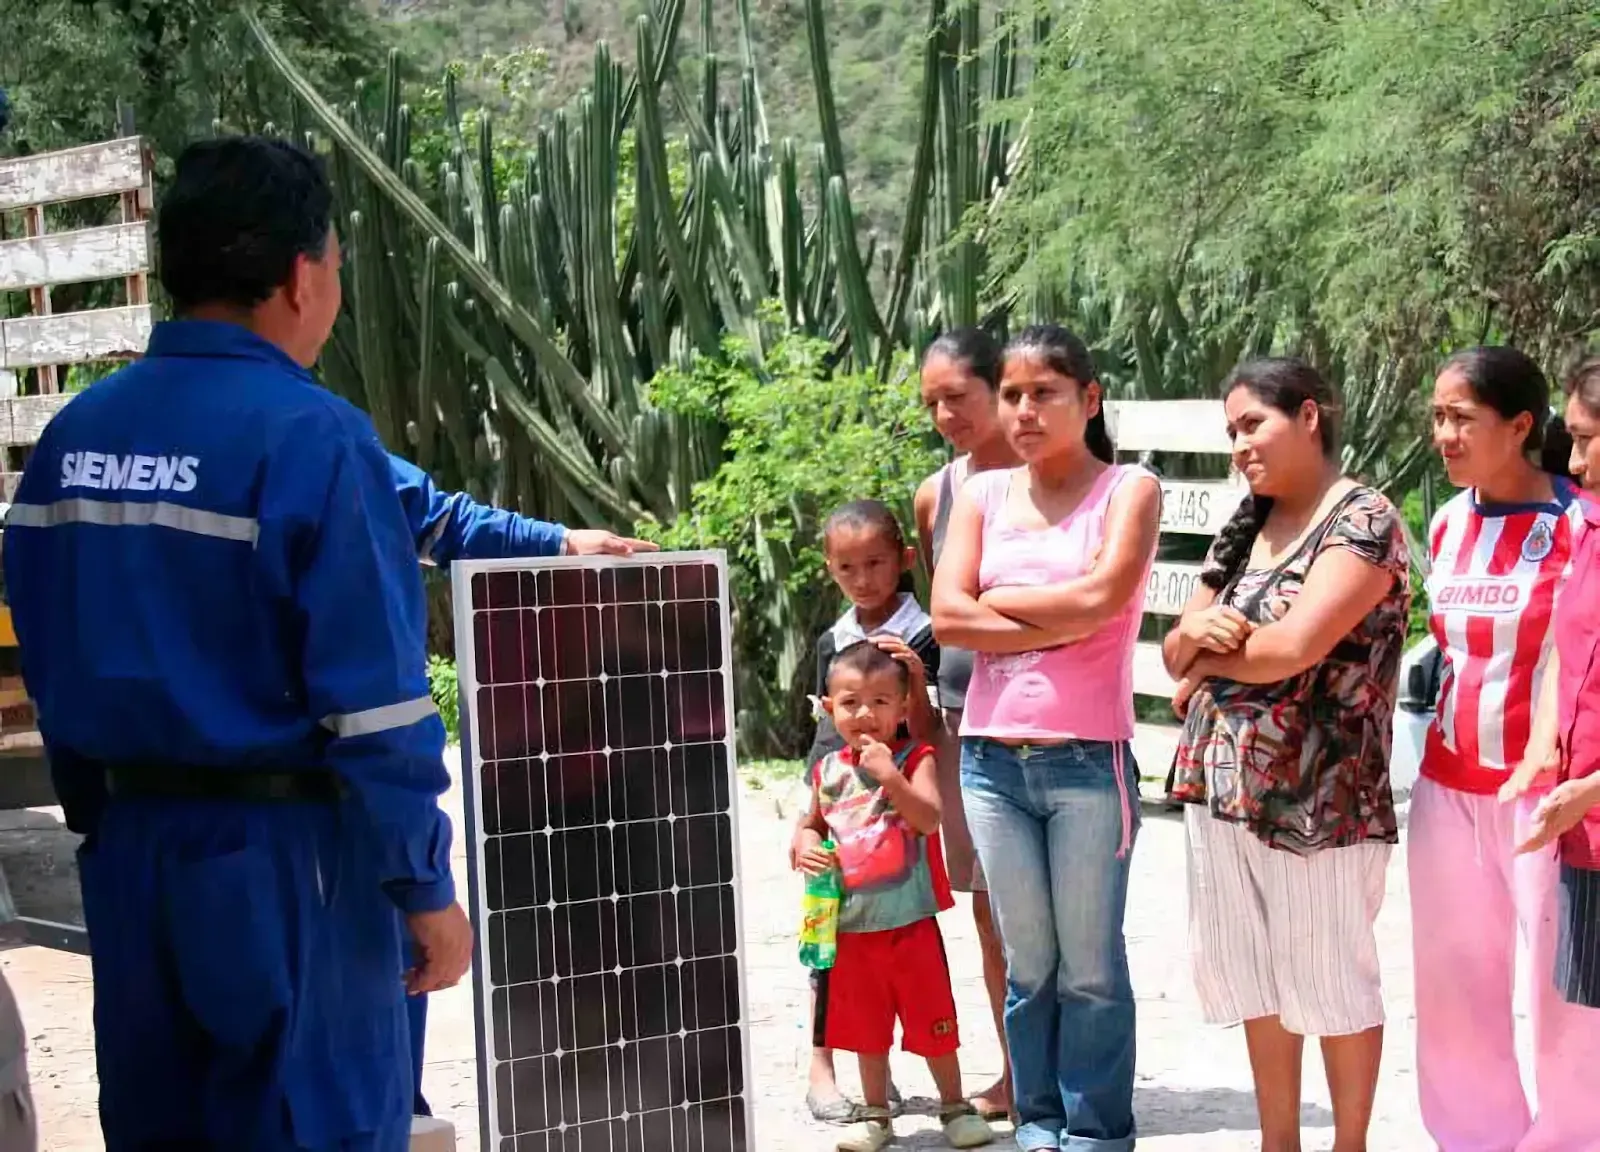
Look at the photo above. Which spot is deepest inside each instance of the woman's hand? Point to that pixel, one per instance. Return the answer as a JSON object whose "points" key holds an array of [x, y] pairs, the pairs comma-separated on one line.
{"points": [[1219, 629], [1182, 694], [1536, 764], [1561, 810]]}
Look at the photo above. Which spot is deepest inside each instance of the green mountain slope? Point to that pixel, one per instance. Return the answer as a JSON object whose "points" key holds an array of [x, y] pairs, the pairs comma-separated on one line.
{"points": [[874, 57]]}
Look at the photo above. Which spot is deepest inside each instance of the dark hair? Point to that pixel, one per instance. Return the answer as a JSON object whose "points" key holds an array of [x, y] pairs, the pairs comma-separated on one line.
{"points": [[1584, 383], [239, 211], [1066, 355], [868, 659], [1287, 384], [870, 516], [974, 349], [1556, 455], [1508, 381]]}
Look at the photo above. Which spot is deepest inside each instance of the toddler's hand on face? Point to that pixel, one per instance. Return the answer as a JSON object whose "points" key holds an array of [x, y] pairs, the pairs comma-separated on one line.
{"points": [[877, 761]]}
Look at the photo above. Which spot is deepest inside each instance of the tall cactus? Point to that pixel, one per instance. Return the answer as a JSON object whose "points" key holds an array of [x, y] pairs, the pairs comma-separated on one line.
{"points": [[505, 331]]}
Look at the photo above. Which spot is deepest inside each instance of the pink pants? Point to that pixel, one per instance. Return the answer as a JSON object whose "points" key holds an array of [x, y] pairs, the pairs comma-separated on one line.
{"points": [[1471, 897]]}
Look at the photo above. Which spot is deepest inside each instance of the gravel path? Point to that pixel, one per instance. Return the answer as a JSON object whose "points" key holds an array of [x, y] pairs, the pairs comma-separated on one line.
{"points": [[1194, 1082]]}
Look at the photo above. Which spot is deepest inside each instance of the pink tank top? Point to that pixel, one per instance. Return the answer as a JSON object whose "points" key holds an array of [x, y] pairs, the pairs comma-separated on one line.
{"points": [[1079, 691]]}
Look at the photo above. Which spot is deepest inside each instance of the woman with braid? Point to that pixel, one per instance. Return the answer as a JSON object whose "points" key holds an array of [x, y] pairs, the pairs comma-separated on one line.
{"points": [[1287, 658]]}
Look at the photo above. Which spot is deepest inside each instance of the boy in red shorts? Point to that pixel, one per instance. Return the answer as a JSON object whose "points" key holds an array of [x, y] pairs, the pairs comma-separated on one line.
{"points": [[878, 800]]}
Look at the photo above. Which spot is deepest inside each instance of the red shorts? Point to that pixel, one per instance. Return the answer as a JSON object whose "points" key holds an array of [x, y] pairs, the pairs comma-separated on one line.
{"points": [[878, 976]]}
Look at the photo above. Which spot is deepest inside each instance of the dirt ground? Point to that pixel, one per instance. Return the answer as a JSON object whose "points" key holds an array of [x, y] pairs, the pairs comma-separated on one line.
{"points": [[1193, 1092]]}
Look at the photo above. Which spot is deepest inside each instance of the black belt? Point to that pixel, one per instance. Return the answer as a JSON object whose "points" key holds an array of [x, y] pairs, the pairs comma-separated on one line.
{"points": [[189, 782]]}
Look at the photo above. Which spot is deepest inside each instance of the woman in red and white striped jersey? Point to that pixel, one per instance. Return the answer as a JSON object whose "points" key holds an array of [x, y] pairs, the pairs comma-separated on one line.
{"points": [[1501, 553]]}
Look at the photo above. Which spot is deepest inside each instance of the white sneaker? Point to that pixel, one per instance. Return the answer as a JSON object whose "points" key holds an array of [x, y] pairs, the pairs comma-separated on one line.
{"points": [[872, 1133], [964, 1128]]}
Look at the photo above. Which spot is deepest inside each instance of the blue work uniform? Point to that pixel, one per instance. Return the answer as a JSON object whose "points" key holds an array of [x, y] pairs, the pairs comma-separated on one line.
{"points": [[214, 585], [450, 527]]}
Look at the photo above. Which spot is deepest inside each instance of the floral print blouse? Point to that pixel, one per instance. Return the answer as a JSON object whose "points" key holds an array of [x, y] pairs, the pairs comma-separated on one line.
{"points": [[1305, 763]]}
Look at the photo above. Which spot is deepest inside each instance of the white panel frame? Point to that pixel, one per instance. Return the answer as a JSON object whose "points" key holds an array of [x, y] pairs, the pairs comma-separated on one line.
{"points": [[461, 574], [1169, 426]]}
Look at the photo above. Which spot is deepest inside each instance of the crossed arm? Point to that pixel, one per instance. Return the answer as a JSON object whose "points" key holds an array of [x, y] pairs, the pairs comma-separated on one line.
{"points": [[1340, 590], [1025, 619]]}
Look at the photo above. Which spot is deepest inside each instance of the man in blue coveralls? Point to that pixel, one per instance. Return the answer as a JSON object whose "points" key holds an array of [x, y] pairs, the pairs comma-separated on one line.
{"points": [[220, 615], [450, 527]]}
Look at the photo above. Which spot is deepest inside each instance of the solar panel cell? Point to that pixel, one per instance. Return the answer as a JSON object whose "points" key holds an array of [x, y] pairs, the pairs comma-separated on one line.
{"points": [[602, 817]]}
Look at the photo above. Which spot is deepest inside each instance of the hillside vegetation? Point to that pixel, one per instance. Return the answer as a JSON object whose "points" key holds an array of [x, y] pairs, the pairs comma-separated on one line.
{"points": [[875, 55]]}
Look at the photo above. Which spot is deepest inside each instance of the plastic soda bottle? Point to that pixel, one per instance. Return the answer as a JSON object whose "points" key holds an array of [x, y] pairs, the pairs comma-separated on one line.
{"points": [[819, 924]]}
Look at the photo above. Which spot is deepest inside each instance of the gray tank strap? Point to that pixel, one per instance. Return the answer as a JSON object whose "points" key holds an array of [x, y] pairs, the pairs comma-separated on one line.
{"points": [[941, 508]]}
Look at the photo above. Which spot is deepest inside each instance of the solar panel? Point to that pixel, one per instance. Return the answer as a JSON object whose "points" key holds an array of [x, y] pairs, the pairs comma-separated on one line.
{"points": [[597, 732]]}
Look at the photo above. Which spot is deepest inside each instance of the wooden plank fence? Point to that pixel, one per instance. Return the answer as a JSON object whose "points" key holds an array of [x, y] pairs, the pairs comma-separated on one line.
{"points": [[36, 347], [1189, 508], [41, 260]]}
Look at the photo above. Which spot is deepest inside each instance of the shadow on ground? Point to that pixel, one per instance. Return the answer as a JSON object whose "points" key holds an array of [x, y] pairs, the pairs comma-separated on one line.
{"points": [[1193, 1112], [1160, 1112]]}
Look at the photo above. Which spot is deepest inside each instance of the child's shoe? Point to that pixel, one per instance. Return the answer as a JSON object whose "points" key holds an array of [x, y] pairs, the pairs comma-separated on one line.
{"points": [[964, 1128], [872, 1133]]}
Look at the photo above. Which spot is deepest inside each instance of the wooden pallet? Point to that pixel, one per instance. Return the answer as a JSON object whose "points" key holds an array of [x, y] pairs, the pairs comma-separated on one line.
{"points": [[36, 348]]}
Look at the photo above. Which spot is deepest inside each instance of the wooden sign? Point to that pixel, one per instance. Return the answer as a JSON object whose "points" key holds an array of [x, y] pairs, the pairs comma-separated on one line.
{"points": [[1189, 508]]}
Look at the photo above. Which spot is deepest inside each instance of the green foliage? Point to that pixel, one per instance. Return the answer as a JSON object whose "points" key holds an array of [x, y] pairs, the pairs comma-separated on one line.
{"points": [[443, 687], [507, 302], [801, 440], [1416, 521], [771, 775], [1368, 184], [875, 49], [178, 65]]}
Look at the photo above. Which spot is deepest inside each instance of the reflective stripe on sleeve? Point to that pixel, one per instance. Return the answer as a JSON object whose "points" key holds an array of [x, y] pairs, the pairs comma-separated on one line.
{"points": [[435, 534], [382, 719], [161, 513]]}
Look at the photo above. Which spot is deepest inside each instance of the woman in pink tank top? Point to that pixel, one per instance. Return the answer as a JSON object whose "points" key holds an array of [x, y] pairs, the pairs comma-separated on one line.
{"points": [[1042, 577]]}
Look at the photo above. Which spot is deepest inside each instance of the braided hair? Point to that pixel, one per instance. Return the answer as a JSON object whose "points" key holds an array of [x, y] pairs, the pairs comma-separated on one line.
{"points": [[1286, 383]]}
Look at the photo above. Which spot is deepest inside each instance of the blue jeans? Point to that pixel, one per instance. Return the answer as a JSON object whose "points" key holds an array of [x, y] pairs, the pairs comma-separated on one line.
{"points": [[1054, 832]]}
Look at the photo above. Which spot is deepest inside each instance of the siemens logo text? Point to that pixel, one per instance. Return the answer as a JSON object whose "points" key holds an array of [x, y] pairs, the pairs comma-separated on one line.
{"points": [[134, 473]]}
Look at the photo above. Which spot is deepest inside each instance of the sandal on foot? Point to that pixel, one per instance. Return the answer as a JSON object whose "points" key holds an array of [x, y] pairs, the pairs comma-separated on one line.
{"points": [[839, 1110], [873, 1130], [964, 1128], [989, 1110]]}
